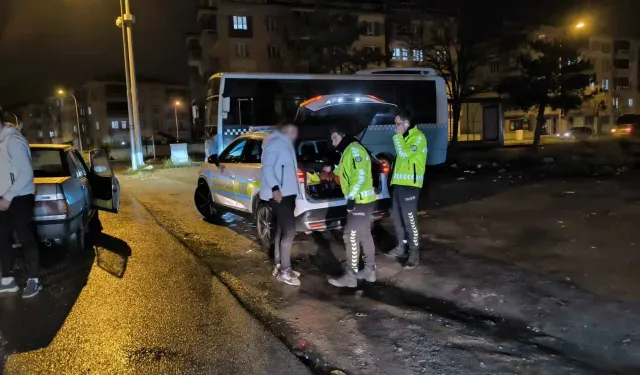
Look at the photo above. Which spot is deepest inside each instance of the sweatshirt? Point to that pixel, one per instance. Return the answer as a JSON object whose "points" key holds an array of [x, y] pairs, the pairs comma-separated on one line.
{"points": [[16, 172], [279, 167]]}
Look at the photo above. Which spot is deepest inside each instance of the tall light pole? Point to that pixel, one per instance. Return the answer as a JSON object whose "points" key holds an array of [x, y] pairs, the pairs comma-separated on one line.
{"points": [[132, 142], [175, 112], [127, 20], [75, 101]]}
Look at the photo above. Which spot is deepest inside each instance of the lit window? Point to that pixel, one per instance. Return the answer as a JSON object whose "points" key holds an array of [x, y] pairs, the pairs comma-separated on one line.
{"points": [[89, 110], [605, 84], [418, 55], [114, 124], [241, 50], [630, 102], [240, 23], [97, 125], [82, 111], [405, 54], [52, 134], [40, 134], [616, 103], [123, 124]]}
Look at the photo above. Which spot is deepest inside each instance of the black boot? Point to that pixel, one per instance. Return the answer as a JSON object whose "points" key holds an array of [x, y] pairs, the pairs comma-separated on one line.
{"points": [[414, 260]]}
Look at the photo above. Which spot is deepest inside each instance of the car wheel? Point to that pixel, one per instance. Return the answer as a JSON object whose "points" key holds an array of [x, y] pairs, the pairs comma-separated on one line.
{"points": [[265, 223], [76, 242], [204, 202]]}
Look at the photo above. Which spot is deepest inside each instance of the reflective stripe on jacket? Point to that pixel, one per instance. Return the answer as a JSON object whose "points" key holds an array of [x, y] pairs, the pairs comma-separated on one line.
{"points": [[354, 170], [411, 158]]}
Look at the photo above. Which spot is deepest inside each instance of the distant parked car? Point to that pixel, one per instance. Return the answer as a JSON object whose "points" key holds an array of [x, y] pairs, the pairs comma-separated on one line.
{"points": [[577, 133], [627, 126], [69, 194]]}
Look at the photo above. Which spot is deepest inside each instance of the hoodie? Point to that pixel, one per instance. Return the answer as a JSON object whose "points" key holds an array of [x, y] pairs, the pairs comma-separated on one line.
{"points": [[279, 167], [16, 172]]}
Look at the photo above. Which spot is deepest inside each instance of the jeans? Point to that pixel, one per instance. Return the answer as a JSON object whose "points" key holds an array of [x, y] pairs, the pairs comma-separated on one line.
{"points": [[19, 219], [285, 230]]}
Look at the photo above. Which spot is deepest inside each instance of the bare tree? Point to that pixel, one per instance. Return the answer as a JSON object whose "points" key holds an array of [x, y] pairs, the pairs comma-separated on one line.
{"points": [[458, 45]]}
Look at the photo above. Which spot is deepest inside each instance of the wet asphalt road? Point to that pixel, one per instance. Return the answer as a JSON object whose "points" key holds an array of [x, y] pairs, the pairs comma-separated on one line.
{"points": [[142, 304]]}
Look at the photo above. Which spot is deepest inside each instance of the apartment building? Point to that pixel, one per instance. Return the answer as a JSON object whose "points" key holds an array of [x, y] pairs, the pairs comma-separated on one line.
{"points": [[103, 116], [53, 120], [107, 113], [254, 36]]}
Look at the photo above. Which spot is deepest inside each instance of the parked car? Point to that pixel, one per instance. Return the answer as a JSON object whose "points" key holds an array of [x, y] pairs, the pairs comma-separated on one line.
{"points": [[230, 182], [69, 194], [627, 126], [578, 133]]}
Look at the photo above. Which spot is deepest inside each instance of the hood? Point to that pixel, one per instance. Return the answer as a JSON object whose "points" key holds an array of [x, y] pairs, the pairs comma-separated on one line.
{"points": [[8, 131], [276, 136]]}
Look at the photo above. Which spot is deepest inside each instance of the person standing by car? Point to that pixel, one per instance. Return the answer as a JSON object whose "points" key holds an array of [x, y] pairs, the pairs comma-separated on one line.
{"points": [[408, 175], [356, 181], [17, 192], [280, 188]]}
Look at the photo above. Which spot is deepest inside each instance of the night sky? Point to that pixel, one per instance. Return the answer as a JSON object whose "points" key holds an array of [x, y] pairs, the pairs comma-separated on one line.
{"points": [[47, 43]]}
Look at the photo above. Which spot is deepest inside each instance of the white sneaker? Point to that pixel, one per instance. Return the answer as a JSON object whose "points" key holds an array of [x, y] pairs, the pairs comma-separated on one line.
{"points": [[276, 270], [8, 285], [32, 289]]}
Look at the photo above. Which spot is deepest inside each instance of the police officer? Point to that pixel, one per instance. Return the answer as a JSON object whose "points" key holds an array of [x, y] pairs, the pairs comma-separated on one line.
{"points": [[356, 182], [408, 175]]}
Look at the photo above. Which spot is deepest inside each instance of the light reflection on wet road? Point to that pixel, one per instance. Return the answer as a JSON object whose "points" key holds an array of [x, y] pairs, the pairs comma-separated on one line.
{"points": [[148, 307]]}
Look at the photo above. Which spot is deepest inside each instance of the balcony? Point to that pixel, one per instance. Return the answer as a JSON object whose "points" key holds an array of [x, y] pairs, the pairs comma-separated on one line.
{"points": [[195, 58], [192, 38], [205, 11]]}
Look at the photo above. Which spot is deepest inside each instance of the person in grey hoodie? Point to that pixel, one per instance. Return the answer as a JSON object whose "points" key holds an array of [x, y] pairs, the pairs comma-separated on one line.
{"points": [[279, 186], [16, 211]]}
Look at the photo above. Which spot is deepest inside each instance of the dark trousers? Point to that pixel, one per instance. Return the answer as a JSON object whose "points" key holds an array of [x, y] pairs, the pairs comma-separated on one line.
{"points": [[404, 211], [357, 232], [19, 219], [285, 229]]}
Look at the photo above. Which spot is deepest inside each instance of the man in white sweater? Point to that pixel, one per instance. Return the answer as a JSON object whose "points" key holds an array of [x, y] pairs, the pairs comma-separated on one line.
{"points": [[16, 211]]}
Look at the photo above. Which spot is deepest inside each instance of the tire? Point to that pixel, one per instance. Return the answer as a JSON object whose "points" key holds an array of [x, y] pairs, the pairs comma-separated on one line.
{"points": [[204, 202], [265, 224], [76, 243]]}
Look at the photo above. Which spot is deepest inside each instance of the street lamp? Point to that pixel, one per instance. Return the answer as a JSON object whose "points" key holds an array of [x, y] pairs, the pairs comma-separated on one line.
{"points": [[175, 112], [580, 25], [62, 94]]}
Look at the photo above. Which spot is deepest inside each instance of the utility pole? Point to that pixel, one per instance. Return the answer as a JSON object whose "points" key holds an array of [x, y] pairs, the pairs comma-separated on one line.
{"points": [[128, 21], [120, 24]]}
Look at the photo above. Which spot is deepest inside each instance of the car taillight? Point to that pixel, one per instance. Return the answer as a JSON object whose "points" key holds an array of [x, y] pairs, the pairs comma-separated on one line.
{"points": [[51, 208], [386, 169], [300, 176]]}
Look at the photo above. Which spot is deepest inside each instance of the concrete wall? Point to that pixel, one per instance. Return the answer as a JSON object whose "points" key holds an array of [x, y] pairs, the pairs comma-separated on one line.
{"points": [[196, 152]]}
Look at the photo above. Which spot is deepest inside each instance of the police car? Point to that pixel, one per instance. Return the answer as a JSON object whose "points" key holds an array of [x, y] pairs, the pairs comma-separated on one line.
{"points": [[230, 181]]}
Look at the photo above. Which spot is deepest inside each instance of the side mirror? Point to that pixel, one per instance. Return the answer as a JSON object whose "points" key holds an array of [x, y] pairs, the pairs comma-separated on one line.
{"points": [[226, 105], [100, 163], [213, 159]]}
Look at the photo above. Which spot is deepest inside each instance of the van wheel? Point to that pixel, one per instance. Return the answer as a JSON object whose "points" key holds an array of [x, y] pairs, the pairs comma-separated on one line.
{"points": [[204, 202], [76, 242], [265, 223]]}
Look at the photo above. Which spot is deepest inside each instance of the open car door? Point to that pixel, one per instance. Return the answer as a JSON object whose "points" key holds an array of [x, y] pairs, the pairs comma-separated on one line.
{"points": [[104, 184]]}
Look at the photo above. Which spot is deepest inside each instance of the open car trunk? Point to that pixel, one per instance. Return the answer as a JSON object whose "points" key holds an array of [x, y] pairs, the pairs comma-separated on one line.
{"points": [[313, 148], [312, 156]]}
